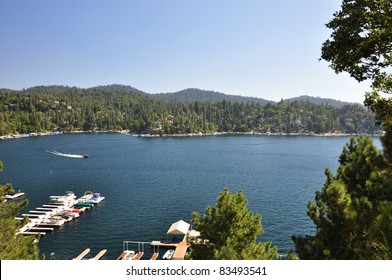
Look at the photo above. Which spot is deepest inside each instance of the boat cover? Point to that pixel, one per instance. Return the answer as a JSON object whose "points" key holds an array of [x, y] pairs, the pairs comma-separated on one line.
{"points": [[179, 227]]}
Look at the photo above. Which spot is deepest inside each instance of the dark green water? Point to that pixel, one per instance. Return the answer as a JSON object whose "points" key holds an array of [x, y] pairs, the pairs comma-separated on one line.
{"points": [[151, 183]]}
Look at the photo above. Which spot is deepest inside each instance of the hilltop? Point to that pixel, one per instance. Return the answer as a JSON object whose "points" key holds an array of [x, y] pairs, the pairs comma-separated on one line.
{"points": [[320, 100], [199, 95]]}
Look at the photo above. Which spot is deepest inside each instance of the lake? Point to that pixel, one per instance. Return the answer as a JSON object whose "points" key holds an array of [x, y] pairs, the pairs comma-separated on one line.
{"points": [[151, 183]]}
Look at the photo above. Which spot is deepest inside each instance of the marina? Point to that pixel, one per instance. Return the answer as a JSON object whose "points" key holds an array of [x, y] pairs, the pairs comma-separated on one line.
{"points": [[58, 211]]}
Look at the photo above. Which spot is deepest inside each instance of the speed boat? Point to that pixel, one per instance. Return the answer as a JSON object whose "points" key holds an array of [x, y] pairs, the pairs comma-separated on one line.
{"points": [[85, 155]]}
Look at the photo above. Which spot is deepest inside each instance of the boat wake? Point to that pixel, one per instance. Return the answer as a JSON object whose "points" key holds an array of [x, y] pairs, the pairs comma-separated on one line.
{"points": [[67, 155]]}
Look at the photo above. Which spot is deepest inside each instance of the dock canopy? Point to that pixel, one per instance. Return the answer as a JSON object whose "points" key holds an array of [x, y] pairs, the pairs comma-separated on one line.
{"points": [[179, 227]]}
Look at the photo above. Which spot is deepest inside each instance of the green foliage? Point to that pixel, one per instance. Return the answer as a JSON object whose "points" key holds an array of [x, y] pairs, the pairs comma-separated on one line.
{"points": [[347, 206], [361, 45], [381, 233], [43, 109], [14, 246], [357, 202], [361, 40], [229, 231], [192, 95]]}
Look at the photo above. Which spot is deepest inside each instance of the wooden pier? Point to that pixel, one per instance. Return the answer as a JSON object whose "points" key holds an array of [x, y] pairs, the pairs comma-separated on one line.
{"points": [[164, 244], [154, 256], [100, 254], [82, 255], [32, 233], [138, 256], [41, 229], [179, 253]]}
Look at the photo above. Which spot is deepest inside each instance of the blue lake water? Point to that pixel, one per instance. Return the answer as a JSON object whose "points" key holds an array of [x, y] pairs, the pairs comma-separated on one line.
{"points": [[151, 183]]}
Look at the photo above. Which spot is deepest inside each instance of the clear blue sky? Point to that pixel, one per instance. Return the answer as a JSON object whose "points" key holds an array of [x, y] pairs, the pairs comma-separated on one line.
{"points": [[260, 48]]}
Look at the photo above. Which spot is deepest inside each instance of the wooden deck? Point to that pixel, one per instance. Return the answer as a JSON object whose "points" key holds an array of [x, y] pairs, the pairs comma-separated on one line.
{"points": [[83, 254], [138, 256], [154, 256], [164, 244], [100, 254], [179, 253]]}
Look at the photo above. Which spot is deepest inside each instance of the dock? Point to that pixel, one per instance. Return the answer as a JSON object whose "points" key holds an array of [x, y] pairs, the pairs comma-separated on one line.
{"points": [[58, 211], [32, 233], [179, 253], [100, 255], [138, 256], [164, 244], [83, 254], [42, 229]]}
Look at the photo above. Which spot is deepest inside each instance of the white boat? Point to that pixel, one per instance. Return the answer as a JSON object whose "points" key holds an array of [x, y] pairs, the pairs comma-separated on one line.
{"points": [[127, 255], [96, 198], [65, 200], [91, 197], [54, 221], [14, 195], [168, 255]]}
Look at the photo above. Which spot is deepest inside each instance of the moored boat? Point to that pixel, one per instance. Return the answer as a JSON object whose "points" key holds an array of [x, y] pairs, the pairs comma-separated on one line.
{"points": [[14, 195], [91, 197], [127, 255], [168, 255], [96, 198]]}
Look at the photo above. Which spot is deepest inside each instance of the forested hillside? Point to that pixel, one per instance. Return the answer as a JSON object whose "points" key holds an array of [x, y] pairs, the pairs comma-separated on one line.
{"points": [[42, 109], [194, 94], [319, 100]]}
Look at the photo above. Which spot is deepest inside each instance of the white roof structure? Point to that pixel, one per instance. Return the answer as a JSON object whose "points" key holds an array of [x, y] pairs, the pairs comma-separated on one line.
{"points": [[179, 227]]}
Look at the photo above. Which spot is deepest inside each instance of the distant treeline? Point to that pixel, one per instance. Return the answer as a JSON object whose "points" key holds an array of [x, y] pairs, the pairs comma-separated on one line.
{"points": [[42, 109]]}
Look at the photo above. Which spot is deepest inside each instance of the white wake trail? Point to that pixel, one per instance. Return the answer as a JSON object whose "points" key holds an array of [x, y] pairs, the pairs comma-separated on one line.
{"points": [[64, 155]]}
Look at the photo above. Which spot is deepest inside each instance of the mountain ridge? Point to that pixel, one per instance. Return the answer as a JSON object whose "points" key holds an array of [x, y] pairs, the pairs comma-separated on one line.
{"points": [[183, 96]]}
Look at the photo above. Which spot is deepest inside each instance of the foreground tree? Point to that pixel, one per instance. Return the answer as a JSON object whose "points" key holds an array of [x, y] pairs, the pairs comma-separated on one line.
{"points": [[353, 212], [229, 231], [12, 246], [350, 211], [361, 45]]}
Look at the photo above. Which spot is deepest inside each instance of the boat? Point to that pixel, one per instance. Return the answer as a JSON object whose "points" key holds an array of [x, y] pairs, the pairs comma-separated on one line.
{"points": [[96, 198], [14, 195], [127, 255], [168, 255], [67, 155], [91, 197], [82, 206], [55, 221]]}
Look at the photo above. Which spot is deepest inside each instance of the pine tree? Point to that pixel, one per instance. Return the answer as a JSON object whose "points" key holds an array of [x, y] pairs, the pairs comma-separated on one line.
{"points": [[346, 208], [14, 246], [229, 231], [361, 45]]}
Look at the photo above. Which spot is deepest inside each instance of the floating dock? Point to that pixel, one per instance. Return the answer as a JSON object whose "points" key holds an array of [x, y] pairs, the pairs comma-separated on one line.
{"points": [[100, 255], [82, 255], [59, 210]]}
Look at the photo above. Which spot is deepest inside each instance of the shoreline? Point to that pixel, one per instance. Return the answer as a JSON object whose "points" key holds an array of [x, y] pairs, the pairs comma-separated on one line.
{"points": [[181, 135]]}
